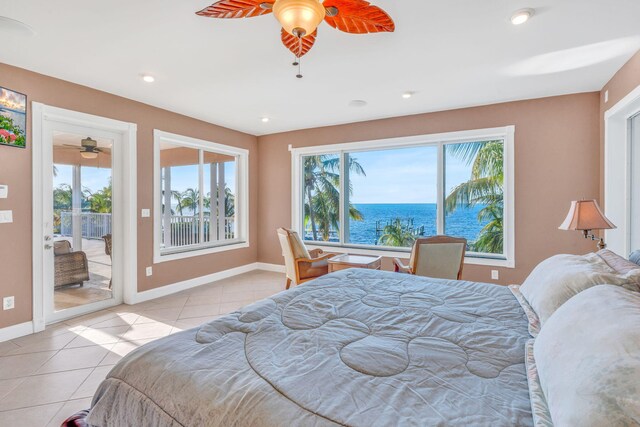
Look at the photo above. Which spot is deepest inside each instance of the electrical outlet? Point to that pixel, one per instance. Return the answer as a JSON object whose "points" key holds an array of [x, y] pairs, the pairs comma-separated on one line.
{"points": [[6, 216], [149, 271], [145, 213], [4, 191], [495, 275], [8, 303]]}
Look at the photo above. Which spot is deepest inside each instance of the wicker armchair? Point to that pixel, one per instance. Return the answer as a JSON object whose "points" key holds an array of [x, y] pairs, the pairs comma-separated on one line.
{"points": [[71, 268], [108, 241]]}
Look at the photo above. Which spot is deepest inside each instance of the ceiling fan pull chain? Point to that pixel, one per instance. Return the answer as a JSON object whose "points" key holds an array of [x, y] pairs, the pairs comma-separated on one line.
{"points": [[299, 75], [295, 61]]}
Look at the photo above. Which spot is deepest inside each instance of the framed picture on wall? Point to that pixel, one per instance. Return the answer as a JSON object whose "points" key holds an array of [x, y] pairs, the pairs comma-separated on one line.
{"points": [[13, 118]]}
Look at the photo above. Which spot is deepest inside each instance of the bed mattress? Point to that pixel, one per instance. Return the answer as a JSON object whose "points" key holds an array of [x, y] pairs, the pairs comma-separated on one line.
{"points": [[356, 347]]}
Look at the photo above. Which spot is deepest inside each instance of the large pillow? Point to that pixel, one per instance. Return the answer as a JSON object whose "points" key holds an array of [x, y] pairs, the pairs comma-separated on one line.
{"points": [[587, 358], [560, 277], [618, 263]]}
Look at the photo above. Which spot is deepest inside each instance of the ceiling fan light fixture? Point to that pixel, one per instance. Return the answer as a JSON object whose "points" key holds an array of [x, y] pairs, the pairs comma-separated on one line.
{"points": [[90, 155], [299, 17]]}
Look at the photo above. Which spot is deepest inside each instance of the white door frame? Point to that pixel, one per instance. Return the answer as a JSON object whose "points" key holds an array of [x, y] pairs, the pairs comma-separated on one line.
{"points": [[124, 171], [617, 171]]}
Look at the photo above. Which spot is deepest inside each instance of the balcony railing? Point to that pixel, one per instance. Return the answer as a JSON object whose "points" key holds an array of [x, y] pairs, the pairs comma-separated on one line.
{"points": [[94, 225], [184, 229]]}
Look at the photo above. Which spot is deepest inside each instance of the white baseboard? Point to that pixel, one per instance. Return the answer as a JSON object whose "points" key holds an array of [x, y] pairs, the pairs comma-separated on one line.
{"points": [[277, 268], [16, 331], [166, 290]]}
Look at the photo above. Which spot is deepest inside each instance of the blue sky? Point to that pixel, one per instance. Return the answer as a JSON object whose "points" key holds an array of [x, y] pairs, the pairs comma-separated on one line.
{"points": [[92, 178], [406, 175]]}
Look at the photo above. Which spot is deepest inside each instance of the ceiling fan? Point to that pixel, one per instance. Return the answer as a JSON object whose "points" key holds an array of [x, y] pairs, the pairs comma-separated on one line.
{"points": [[300, 18], [88, 148]]}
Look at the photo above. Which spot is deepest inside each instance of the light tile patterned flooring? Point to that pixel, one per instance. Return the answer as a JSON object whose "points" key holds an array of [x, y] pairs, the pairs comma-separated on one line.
{"points": [[46, 377]]}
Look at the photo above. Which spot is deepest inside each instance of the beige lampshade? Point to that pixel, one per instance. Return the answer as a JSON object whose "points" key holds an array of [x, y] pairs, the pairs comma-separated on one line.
{"points": [[585, 215]]}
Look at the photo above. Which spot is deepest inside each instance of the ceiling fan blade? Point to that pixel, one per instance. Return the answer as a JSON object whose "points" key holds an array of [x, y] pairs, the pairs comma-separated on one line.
{"points": [[298, 46], [237, 9], [358, 17]]}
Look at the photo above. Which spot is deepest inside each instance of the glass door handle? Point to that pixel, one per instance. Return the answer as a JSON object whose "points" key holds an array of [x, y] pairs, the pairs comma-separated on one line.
{"points": [[48, 246]]}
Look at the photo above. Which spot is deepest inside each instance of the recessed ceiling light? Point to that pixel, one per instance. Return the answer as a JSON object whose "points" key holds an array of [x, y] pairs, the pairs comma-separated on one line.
{"points": [[148, 78], [265, 119], [407, 95], [358, 103], [521, 16]]}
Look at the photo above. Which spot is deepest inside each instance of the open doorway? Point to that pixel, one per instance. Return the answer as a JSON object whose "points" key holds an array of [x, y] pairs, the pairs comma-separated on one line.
{"points": [[82, 220]]}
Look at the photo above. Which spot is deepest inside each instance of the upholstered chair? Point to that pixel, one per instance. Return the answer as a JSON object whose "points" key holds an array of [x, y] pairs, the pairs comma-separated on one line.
{"points": [[301, 264], [441, 257]]}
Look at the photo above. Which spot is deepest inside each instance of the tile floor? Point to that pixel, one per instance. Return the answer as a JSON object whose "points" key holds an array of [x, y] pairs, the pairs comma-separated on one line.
{"points": [[46, 377]]}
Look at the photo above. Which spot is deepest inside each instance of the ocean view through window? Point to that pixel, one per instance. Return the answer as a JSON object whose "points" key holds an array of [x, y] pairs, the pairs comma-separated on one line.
{"points": [[382, 195]]}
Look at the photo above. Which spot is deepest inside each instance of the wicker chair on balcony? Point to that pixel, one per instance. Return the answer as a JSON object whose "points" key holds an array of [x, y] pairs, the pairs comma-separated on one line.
{"points": [[108, 241], [71, 268]]}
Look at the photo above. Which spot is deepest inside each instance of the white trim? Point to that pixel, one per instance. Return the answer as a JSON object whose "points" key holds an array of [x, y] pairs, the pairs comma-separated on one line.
{"points": [[241, 196], [506, 133], [617, 171], [192, 283], [125, 171], [16, 331], [186, 253], [276, 268]]}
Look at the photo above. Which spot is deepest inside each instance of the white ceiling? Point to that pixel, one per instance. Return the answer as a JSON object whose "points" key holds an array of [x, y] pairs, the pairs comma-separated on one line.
{"points": [[452, 53]]}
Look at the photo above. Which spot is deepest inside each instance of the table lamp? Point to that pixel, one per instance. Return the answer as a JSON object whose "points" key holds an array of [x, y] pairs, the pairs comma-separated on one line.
{"points": [[585, 216]]}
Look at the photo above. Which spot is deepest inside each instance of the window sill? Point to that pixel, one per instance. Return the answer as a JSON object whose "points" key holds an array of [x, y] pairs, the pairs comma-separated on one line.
{"points": [[493, 262], [172, 256]]}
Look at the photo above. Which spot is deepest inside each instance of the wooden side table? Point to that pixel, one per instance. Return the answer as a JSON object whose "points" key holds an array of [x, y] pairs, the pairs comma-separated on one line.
{"points": [[342, 262]]}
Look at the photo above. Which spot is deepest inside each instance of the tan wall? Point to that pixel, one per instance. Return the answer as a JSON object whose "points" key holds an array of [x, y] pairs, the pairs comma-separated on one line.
{"points": [[15, 170], [620, 85], [556, 161]]}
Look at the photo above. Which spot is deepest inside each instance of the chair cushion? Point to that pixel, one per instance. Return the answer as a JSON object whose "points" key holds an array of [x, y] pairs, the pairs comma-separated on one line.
{"points": [[310, 270], [587, 359], [297, 245]]}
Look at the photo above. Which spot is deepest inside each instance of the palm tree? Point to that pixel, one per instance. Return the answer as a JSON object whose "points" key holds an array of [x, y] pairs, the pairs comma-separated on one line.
{"points": [[322, 193], [178, 197], [484, 188], [396, 234], [190, 200]]}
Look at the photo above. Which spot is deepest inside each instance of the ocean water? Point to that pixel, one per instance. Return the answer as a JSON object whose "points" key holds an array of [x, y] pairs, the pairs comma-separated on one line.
{"points": [[461, 223]]}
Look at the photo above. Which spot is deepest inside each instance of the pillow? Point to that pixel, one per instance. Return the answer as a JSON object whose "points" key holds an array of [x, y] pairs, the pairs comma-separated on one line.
{"points": [[534, 321], [539, 407], [560, 277], [588, 359], [634, 257], [615, 261]]}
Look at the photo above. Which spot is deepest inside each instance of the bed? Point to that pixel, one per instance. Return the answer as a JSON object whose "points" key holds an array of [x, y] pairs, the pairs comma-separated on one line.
{"points": [[356, 347]]}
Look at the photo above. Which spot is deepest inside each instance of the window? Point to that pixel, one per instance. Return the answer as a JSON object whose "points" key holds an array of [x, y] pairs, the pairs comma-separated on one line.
{"points": [[201, 197], [382, 195]]}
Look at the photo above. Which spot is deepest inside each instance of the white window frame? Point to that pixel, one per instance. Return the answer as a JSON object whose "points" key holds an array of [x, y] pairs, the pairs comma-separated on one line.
{"points": [[241, 198], [506, 133]]}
